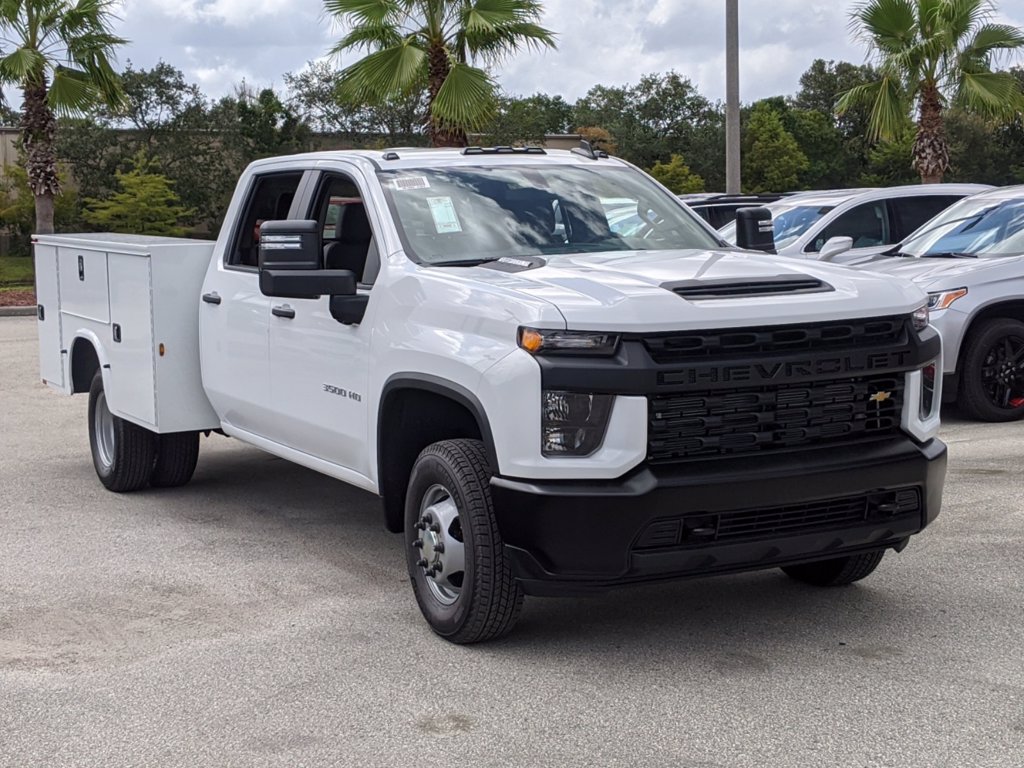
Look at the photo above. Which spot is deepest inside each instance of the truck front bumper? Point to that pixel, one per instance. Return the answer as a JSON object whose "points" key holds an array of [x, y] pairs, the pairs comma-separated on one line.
{"points": [[722, 516]]}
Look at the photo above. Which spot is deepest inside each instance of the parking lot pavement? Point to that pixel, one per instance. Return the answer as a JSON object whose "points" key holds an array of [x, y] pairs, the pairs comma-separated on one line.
{"points": [[262, 616]]}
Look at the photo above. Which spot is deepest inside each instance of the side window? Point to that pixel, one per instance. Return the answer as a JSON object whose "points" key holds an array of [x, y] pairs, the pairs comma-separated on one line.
{"points": [[347, 235], [270, 200], [867, 224], [909, 213]]}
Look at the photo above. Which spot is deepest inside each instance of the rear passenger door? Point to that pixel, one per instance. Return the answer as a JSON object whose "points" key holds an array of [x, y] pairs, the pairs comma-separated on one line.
{"points": [[910, 213], [318, 367], [867, 224]]}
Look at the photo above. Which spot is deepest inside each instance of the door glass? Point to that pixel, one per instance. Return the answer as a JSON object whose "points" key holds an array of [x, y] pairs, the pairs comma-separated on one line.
{"points": [[347, 234], [911, 212], [867, 224], [270, 200]]}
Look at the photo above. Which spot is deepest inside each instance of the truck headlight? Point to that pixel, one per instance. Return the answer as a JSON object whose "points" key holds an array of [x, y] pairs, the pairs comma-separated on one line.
{"points": [[942, 299], [543, 342], [920, 317], [573, 424]]}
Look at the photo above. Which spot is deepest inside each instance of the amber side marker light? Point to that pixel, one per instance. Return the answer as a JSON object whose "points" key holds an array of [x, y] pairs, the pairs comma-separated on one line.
{"points": [[530, 340], [161, 349]]}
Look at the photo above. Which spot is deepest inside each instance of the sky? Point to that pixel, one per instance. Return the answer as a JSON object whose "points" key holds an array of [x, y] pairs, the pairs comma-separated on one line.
{"points": [[218, 43]]}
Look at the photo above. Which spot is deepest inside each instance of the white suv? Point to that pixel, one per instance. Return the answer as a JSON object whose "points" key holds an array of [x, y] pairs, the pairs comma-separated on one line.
{"points": [[813, 225]]}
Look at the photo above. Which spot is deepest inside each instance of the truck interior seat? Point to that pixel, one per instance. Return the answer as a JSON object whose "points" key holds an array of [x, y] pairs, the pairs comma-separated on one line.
{"points": [[350, 249]]}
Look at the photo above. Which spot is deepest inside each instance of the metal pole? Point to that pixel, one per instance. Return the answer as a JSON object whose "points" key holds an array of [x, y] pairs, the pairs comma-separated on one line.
{"points": [[732, 97]]}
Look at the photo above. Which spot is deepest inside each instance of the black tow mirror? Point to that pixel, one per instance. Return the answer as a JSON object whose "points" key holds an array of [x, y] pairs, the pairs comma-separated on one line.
{"points": [[307, 283], [754, 229], [290, 245]]}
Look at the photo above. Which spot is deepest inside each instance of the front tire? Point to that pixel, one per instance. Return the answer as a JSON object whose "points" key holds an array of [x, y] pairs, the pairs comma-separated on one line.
{"points": [[460, 577], [992, 385], [122, 453], [837, 572]]}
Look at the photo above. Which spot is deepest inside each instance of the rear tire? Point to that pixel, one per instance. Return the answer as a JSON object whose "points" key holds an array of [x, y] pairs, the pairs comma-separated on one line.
{"points": [[838, 572], [449, 522], [992, 379], [176, 457], [122, 453]]}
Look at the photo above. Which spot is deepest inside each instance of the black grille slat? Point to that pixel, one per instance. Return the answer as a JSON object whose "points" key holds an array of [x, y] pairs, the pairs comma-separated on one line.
{"points": [[704, 424], [703, 528], [697, 290], [867, 332]]}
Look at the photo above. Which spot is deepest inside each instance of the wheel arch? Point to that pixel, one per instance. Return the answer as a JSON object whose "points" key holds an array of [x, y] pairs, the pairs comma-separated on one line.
{"points": [[416, 410], [1013, 308], [84, 359]]}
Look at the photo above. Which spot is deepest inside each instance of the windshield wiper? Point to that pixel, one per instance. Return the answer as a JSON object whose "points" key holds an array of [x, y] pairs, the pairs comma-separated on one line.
{"points": [[949, 255]]}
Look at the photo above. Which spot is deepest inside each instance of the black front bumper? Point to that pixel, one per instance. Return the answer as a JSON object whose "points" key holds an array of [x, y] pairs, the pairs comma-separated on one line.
{"points": [[720, 516]]}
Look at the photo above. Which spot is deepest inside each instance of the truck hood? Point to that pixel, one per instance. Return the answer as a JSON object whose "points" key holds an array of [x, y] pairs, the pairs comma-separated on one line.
{"points": [[629, 291], [935, 273]]}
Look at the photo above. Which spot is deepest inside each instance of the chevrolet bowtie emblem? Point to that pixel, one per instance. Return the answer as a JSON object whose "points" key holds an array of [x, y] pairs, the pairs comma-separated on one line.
{"points": [[880, 397]]}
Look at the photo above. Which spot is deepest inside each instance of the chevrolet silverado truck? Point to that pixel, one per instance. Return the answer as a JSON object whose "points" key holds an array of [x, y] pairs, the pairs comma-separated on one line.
{"points": [[545, 406]]}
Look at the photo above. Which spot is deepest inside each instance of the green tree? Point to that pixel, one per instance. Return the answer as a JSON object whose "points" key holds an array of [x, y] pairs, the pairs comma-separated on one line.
{"points": [[889, 163], [410, 42], [677, 176], [17, 208], [930, 54], [772, 160], [59, 54], [528, 119], [145, 205]]}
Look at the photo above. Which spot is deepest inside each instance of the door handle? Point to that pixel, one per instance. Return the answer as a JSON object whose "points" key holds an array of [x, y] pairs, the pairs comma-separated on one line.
{"points": [[211, 298], [283, 311]]}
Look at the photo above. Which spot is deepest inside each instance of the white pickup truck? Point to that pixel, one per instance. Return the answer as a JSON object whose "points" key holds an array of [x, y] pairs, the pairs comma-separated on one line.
{"points": [[557, 378]]}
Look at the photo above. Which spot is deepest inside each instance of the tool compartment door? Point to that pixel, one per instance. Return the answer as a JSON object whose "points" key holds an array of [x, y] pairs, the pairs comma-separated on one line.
{"points": [[131, 384], [51, 358]]}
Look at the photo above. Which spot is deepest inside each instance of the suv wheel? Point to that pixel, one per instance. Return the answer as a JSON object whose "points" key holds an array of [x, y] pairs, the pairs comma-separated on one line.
{"points": [[837, 572], [462, 582], [992, 370]]}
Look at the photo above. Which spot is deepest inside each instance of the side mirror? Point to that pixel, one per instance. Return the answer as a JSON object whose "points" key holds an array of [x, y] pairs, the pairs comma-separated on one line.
{"points": [[307, 283], [834, 246], [754, 229], [290, 245]]}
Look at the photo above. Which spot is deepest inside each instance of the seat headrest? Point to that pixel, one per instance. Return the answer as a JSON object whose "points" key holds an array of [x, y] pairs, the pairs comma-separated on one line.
{"points": [[355, 225]]}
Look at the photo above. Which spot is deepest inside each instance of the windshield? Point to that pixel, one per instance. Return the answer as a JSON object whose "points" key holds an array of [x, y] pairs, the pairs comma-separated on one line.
{"points": [[473, 214], [975, 226], [788, 221]]}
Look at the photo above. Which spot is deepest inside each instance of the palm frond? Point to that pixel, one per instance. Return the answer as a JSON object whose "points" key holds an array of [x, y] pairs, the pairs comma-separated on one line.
{"points": [[19, 65], [368, 12], [369, 37], [507, 39], [991, 94], [888, 103], [466, 98], [71, 92], [990, 38], [887, 25], [385, 73]]}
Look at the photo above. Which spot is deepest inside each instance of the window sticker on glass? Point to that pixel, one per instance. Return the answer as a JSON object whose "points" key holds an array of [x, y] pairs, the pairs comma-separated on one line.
{"points": [[445, 219], [410, 182]]}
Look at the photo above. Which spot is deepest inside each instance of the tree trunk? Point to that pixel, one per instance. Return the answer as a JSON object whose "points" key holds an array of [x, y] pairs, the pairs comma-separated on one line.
{"points": [[38, 133], [931, 152], [441, 134]]}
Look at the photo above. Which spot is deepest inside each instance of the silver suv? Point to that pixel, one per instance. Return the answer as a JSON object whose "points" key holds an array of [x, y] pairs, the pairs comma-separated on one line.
{"points": [[970, 260], [845, 224]]}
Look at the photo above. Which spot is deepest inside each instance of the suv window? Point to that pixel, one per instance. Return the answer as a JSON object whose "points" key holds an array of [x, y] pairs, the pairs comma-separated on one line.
{"points": [[909, 213], [867, 224], [270, 200], [347, 235]]}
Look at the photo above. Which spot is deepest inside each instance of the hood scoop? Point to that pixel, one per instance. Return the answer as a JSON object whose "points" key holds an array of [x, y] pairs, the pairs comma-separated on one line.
{"points": [[731, 288]]}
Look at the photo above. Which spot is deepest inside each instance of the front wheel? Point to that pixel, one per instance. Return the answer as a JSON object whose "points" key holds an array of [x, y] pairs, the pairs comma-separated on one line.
{"points": [[462, 581], [123, 453], [992, 387], [837, 572]]}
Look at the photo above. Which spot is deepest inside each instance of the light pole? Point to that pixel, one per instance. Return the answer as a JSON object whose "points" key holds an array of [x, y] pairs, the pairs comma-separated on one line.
{"points": [[732, 97]]}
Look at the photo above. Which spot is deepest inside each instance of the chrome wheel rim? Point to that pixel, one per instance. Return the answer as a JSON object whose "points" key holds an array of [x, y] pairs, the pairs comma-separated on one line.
{"points": [[439, 539], [103, 426]]}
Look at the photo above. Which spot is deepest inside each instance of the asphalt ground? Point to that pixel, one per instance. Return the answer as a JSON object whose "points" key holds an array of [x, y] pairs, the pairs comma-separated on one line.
{"points": [[261, 616]]}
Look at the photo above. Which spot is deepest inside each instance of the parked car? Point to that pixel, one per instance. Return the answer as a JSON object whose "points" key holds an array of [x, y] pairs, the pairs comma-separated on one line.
{"points": [[970, 260], [814, 225], [718, 210]]}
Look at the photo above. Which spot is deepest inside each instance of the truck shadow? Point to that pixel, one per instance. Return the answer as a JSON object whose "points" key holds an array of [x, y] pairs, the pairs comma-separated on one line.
{"points": [[729, 620]]}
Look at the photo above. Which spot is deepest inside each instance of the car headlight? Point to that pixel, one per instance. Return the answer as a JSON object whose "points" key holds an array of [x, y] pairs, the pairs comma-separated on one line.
{"points": [[920, 318], [573, 424], [943, 299], [550, 342]]}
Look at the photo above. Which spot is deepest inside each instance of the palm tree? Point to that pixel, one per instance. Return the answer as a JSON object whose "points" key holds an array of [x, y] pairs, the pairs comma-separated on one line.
{"points": [[932, 54], [410, 44], [58, 52]]}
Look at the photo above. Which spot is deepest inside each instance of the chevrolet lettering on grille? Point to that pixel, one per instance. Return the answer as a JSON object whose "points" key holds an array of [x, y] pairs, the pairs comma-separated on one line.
{"points": [[778, 372]]}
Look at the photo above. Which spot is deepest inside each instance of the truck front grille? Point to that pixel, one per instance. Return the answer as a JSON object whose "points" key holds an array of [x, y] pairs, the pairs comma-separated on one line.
{"points": [[667, 348], [717, 423]]}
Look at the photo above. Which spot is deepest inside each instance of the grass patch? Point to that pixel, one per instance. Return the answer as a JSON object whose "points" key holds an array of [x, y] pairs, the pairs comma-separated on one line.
{"points": [[16, 272]]}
